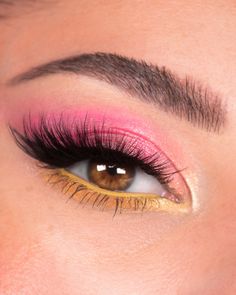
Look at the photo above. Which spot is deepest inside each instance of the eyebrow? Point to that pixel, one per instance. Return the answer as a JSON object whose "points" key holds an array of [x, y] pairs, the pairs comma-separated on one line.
{"points": [[185, 98]]}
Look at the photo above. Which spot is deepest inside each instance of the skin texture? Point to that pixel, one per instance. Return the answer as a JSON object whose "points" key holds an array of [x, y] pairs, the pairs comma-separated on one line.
{"points": [[50, 246]]}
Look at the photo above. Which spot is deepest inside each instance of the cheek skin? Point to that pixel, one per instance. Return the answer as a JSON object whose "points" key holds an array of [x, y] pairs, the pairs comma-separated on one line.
{"points": [[36, 259]]}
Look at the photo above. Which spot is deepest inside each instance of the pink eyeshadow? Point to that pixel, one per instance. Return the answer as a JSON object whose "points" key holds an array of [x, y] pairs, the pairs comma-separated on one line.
{"points": [[112, 124], [117, 118]]}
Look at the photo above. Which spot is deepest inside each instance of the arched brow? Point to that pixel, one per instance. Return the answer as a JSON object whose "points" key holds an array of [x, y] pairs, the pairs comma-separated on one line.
{"points": [[184, 98]]}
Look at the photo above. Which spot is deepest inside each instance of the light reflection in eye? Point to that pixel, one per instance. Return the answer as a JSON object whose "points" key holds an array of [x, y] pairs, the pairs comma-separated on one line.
{"points": [[120, 171]]}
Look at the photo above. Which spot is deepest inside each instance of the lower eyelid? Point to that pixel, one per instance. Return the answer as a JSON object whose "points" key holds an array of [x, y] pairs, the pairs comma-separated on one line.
{"points": [[88, 194]]}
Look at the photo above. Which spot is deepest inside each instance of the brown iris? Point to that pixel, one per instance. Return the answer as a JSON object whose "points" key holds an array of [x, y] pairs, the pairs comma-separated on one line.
{"points": [[111, 176]]}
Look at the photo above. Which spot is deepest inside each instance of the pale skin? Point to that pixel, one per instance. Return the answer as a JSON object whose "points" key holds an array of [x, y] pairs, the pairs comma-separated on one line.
{"points": [[50, 246]]}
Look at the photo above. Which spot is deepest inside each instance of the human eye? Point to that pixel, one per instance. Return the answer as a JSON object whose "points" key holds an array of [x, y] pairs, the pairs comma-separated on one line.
{"points": [[106, 167]]}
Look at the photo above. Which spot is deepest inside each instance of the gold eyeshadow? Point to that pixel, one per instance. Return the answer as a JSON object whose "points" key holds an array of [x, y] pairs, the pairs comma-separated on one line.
{"points": [[88, 194]]}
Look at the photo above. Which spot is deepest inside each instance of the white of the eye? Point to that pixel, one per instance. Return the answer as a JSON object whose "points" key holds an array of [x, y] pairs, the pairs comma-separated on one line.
{"points": [[142, 183], [81, 169]]}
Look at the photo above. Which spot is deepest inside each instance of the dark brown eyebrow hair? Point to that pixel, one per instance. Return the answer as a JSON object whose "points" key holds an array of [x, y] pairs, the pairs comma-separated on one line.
{"points": [[185, 98]]}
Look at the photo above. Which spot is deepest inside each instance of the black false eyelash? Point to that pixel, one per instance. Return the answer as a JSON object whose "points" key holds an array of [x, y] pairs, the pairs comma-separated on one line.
{"points": [[57, 144]]}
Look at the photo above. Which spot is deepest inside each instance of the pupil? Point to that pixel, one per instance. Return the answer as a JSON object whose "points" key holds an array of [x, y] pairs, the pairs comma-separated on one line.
{"points": [[111, 176], [112, 170]]}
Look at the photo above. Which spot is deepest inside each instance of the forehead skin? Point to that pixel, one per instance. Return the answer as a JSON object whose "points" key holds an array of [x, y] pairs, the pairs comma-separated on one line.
{"points": [[190, 37]]}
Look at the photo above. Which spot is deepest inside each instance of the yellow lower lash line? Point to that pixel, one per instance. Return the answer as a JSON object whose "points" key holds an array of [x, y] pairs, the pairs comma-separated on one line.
{"points": [[161, 203], [99, 190]]}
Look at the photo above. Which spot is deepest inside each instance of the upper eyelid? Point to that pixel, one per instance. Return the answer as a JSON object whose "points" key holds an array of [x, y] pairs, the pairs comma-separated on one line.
{"points": [[56, 134], [50, 126]]}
